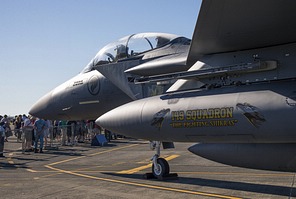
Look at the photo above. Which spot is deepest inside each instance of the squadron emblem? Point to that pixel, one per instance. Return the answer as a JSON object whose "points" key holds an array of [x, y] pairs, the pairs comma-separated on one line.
{"points": [[93, 85], [252, 113], [159, 117]]}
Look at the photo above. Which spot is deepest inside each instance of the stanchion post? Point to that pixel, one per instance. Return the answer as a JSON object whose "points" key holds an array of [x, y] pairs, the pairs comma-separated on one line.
{"points": [[64, 134], [51, 136], [72, 133], [23, 142]]}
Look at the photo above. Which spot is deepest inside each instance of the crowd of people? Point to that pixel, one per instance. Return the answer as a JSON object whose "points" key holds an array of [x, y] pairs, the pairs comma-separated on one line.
{"points": [[35, 133]]}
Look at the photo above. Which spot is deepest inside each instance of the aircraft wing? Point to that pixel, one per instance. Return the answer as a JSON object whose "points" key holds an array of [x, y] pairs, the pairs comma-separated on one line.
{"points": [[234, 25]]}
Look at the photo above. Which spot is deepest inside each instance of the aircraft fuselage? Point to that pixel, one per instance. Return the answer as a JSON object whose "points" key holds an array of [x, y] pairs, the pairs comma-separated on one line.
{"points": [[84, 96]]}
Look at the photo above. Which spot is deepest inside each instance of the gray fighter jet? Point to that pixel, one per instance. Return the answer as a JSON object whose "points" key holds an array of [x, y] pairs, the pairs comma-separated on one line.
{"points": [[237, 101], [103, 84]]}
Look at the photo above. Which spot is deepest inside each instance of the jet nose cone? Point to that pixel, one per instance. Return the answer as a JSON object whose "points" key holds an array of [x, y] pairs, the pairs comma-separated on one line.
{"points": [[139, 119], [125, 120], [117, 120], [42, 107]]}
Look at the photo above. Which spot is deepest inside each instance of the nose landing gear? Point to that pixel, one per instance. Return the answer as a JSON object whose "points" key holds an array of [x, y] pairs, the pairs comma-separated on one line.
{"points": [[160, 167]]}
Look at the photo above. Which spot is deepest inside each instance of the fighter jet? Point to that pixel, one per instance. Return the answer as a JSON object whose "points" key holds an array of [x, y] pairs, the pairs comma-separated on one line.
{"points": [[237, 101], [103, 84]]}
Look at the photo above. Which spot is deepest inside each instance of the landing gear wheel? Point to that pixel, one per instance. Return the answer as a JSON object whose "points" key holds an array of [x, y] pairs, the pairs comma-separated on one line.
{"points": [[162, 169]]}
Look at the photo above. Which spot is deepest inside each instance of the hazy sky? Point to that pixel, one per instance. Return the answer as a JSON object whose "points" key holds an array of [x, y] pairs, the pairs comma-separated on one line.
{"points": [[43, 43]]}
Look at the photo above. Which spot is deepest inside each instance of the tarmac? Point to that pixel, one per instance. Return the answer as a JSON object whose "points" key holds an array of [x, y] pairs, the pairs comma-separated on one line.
{"points": [[116, 170]]}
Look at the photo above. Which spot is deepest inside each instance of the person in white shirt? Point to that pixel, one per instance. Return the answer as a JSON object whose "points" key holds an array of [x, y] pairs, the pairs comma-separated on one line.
{"points": [[28, 131]]}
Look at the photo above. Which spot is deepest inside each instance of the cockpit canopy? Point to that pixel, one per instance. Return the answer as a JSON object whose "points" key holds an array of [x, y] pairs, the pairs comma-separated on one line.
{"points": [[129, 46]]}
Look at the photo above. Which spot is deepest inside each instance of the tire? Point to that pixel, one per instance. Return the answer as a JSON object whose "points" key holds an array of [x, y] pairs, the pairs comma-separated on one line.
{"points": [[164, 168]]}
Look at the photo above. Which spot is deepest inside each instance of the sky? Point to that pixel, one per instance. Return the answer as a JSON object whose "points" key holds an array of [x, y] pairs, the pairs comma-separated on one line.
{"points": [[43, 43]]}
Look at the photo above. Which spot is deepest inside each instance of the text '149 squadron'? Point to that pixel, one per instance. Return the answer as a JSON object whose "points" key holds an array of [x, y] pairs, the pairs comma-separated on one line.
{"points": [[231, 89]]}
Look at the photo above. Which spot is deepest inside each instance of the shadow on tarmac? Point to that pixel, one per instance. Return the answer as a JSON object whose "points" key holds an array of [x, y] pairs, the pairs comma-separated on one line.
{"points": [[4, 165], [222, 184]]}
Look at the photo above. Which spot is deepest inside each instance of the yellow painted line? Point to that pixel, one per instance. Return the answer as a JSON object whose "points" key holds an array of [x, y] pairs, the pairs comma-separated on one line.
{"points": [[50, 175], [101, 152], [7, 185], [144, 161], [31, 170], [92, 171], [50, 166], [40, 171], [118, 163], [144, 185], [87, 170], [77, 170], [9, 160], [171, 157], [131, 171]]}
